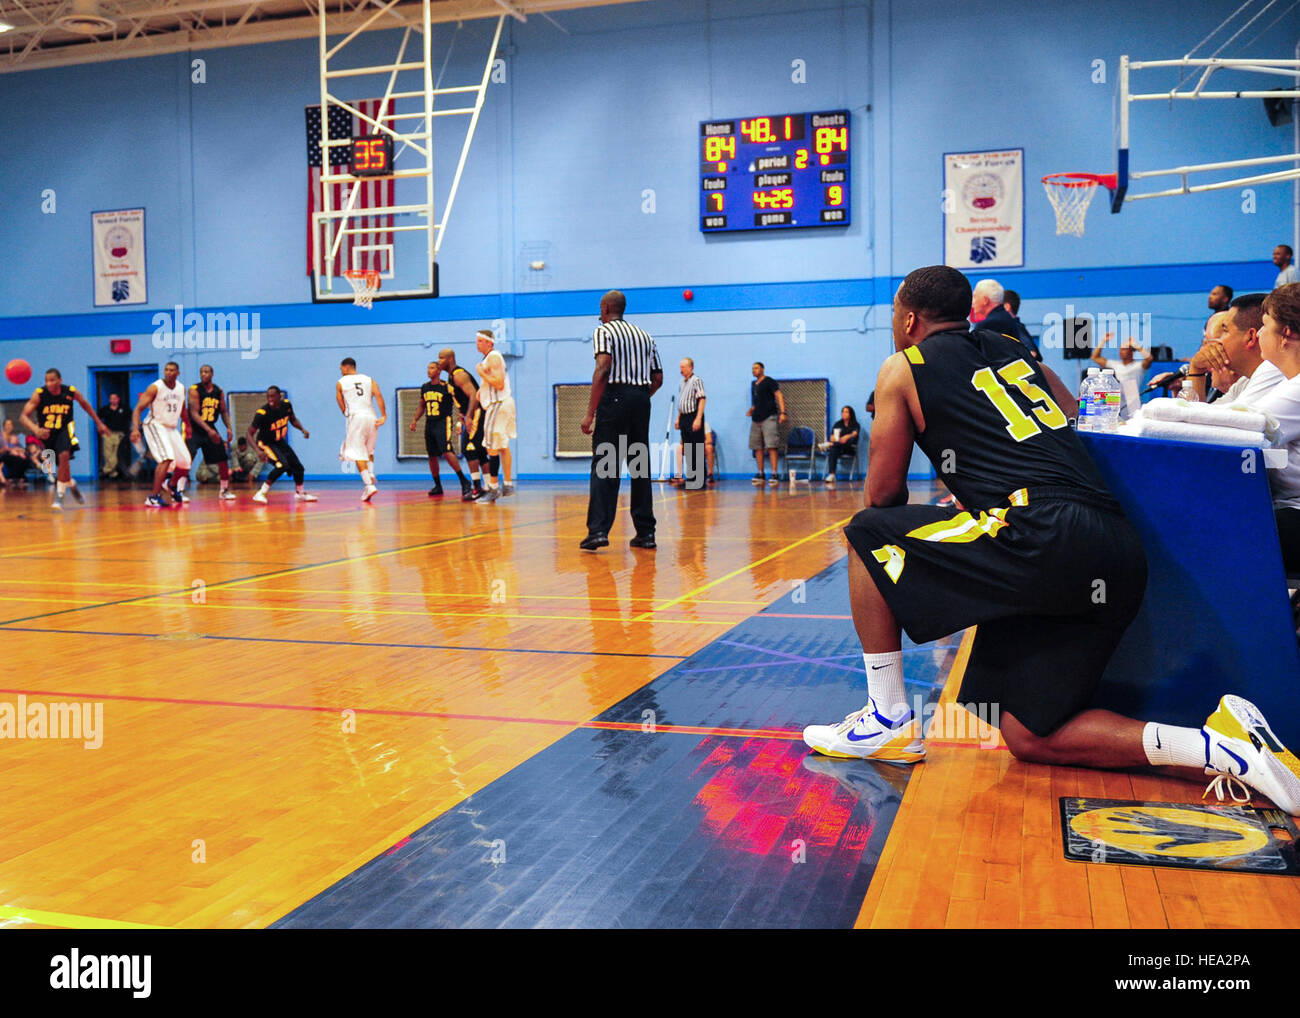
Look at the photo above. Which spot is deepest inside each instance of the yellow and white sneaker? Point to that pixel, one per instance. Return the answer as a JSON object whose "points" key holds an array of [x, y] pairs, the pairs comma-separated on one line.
{"points": [[868, 735], [1239, 744]]}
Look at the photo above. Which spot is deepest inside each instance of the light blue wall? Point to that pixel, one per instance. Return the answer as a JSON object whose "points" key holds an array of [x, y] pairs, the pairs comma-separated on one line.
{"points": [[585, 123]]}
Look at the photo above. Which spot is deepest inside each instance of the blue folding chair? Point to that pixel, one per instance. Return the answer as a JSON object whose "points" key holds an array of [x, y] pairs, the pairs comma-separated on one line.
{"points": [[800, 447]]}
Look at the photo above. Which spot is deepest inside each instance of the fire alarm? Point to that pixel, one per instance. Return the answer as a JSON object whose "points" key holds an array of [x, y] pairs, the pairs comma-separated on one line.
{"points": [[119, 346], [688, 294]]}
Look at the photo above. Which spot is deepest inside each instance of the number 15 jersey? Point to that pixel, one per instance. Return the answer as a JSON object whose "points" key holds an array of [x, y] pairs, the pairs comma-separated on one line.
{"points": [[992, 426]]}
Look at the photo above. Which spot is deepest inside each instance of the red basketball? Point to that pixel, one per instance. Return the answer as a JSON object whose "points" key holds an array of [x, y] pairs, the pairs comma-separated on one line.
{"points": [[18, 371]]}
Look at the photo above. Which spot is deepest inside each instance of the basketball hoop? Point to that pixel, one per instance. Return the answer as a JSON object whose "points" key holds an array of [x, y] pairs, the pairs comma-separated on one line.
{"points": [[1070, 195], [365, 284]]}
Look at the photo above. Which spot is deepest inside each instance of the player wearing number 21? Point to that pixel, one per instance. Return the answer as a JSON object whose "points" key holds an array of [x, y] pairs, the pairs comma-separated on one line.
{"points": [[1041, 559]]}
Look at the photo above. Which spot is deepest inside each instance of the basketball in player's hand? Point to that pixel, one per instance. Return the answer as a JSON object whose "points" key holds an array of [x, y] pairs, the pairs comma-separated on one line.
{"points": [[18, 371]]}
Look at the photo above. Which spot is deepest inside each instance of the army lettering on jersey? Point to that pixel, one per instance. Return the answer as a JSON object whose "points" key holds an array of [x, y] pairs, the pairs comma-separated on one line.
{"points": [[272, 423], [437, 398], [209, 403], [54, 412], [991, 424]]}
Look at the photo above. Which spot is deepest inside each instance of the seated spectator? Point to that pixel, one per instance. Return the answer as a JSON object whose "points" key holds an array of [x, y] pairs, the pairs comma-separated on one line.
{"points": [[13, 457], [843, 442], [247, 465], [989, 309], [1128, 372], [1279, 341], [1235, 346], [1011, 303], [35, 455], [205, 474]]}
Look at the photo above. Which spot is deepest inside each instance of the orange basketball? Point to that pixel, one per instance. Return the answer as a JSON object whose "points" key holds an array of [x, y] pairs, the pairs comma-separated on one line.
{"points": [[18, 371]]}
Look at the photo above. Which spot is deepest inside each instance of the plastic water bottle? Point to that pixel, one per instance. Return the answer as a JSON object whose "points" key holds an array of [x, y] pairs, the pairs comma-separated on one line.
{"points": [[1087, 420], [1106, 399], [1188, 393]]}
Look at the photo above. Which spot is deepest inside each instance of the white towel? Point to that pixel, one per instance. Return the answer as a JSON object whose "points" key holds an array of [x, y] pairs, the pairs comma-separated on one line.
{"points": [[1235, 415], [1178, 431]]}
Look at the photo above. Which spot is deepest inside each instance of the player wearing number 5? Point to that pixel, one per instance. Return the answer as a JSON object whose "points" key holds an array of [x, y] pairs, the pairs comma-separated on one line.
{"points": [[1042, 560], [357, 395]]}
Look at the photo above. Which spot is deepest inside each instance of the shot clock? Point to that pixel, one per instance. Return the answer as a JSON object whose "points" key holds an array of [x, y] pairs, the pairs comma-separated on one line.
{"points": [[774, 173], [371, 155]]}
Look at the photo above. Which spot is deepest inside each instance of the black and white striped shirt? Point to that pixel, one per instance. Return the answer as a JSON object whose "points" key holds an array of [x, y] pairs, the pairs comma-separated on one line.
{"points": [[632, 352], [691, 392]]}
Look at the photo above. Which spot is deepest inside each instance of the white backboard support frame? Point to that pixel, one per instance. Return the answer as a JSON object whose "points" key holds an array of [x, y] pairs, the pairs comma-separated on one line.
{"points": [[413, 155]]}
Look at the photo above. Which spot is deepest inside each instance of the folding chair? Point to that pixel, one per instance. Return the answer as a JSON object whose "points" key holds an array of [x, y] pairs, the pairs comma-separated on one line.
{"points": [[800, 446]]}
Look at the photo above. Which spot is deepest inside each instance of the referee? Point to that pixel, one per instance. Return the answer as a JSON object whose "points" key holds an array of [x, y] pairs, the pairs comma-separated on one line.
{"points": [[690, 422], [627, 374]]}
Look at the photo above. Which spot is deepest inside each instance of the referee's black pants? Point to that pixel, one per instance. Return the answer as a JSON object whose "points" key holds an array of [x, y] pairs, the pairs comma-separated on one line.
{"points": [[622, 431]]}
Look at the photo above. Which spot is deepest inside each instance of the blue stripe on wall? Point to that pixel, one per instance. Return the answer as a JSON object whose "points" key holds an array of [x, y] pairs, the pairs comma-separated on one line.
{"points": [[1032, 285]]}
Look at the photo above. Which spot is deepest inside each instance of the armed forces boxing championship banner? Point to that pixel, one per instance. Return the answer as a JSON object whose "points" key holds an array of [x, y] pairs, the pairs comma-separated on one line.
{"points": [[984, 209], [119, 257]]}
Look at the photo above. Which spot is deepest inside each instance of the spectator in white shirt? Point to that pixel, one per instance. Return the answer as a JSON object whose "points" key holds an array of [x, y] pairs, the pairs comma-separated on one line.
{"points": [[1279, 341], [1236, 347], [1282, 255], [1128, 372]]}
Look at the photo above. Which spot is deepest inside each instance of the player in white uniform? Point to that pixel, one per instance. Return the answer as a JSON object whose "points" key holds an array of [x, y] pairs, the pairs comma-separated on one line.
{"points": [[357, 395], [493, 395], [165, 398]]}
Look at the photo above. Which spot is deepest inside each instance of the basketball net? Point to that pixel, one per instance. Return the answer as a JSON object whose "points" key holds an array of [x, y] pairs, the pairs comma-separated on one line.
{"points": [[365, 284], [1070, 195]]}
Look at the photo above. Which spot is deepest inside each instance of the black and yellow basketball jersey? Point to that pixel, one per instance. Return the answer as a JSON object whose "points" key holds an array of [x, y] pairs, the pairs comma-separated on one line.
{"points": [[272, 423], [209, 402], [992, 426], [54, 412], [462, 400], [437, 398]]}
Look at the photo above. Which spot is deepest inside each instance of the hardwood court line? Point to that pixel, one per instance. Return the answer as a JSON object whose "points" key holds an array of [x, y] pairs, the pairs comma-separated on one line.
{"points": [[620, 726], [347, 643], [97, 542], [155, 588], [893, 843], [159, 602], [292, 570], [743, 569], [68, 921]]}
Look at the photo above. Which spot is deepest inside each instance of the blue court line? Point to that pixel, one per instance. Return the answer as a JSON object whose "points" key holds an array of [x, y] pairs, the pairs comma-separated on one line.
{"points": [[1090, 281], [346, 643]]}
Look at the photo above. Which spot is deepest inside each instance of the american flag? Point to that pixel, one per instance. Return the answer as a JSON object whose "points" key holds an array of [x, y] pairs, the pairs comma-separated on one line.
{"points": [[375, 192]]}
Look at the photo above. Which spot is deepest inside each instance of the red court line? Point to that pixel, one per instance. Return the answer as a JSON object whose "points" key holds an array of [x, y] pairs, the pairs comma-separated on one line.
{"points": [[618, 726]]}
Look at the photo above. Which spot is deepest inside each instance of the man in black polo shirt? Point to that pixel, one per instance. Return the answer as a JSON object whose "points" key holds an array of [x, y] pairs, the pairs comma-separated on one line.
{"points": [[627, 374], [117, 419]]}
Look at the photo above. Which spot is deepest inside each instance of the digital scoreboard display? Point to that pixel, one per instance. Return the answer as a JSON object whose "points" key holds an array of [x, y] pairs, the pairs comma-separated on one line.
{"points": [[774, 173], [371, 155]]}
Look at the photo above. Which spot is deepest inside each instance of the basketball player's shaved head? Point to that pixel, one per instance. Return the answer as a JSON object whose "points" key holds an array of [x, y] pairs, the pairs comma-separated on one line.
{"points": [[936, 293], [446, 354], [615, 302]]}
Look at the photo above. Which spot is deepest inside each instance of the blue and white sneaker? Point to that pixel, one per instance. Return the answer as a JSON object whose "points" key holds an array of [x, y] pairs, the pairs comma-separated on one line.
{"points": [[869, 735], [177, 496], [155, 502], [1240, 745]]}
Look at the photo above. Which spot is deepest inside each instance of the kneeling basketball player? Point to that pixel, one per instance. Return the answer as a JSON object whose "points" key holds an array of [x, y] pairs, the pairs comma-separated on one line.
{"points": [[1023, 562], [269, 429]]}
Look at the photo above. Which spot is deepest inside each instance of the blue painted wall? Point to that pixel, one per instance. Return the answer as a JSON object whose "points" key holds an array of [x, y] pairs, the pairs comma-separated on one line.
{"points": [[587, 120]]}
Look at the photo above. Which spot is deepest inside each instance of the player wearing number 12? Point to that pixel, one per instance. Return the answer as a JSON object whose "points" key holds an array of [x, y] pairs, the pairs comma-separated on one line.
{"points": [[1043, 560]]}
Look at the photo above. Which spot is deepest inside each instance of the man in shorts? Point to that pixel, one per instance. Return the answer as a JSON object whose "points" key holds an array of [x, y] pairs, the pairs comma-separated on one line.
{"points": [[1038, 538], [767, 410]]}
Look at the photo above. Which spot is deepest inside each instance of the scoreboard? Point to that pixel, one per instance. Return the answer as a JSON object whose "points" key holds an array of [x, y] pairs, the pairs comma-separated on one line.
{"points": [[774, 173]]}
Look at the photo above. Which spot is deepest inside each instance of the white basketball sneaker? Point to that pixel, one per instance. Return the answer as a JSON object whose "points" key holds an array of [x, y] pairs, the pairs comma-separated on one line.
{"points": [[1239, 743], [305, 496], [369, 493], [259, 496], [868, 735]]}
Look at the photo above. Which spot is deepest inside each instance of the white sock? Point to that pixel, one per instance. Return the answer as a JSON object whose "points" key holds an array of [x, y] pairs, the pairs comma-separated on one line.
{"points": [[1171, 746], [264, 489], [180, 482], [368, 477], [72, 482], [60, 487], [885, 683]]}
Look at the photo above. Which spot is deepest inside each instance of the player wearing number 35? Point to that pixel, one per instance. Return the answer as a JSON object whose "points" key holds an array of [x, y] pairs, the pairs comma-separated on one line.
{"points": [[1042, 559]]}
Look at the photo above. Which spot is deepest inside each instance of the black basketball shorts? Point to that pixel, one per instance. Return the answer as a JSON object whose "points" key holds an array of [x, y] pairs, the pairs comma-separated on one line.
{"points": [[1052, 580], [438, 437]]}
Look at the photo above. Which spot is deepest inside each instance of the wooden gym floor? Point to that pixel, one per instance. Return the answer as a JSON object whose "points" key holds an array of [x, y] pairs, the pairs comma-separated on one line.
{"points": [[420, 713]]}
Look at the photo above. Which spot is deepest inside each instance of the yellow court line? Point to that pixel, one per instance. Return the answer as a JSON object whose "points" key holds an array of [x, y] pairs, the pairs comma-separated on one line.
{"points": [[69, 922], [516, 617], [743, 569], [146, 588]]}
